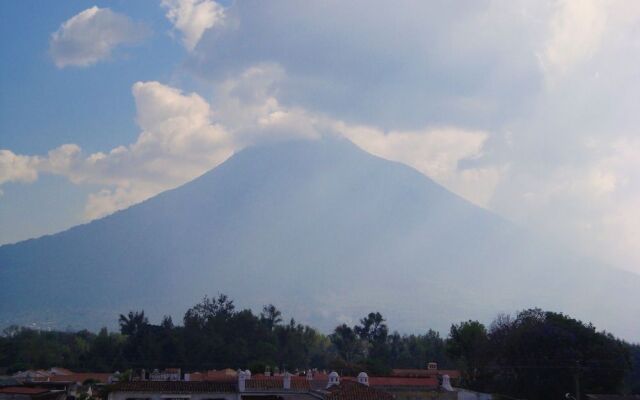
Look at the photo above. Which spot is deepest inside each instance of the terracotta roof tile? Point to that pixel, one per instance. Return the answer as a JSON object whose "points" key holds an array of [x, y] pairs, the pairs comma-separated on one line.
{"points": [[23, 390], [415, 373], [176, 387], [348, 390], [60, 371], [81, 377], [298, 383], [398, 381]]}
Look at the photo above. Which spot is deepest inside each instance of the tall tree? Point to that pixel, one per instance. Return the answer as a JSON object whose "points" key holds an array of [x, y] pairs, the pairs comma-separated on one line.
{"points": [[467, 343], [271, 316], [347, 343], [132, 323], [543, 355]]}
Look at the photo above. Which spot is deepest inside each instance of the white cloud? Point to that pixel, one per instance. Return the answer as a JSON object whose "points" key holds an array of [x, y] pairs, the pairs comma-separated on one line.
{"points": [[248, 105], [17, 168], [91, 35], [193, 17], [437, 153], [108, 200], [591, 207], [182, 137], [576, 31], [178, 142]]}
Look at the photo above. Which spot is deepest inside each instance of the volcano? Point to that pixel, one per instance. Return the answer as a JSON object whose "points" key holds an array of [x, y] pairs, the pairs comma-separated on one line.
{"points": [[321, 229]]}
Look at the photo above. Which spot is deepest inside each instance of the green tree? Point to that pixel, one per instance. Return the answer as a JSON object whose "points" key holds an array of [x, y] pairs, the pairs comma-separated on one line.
{"points": [[133, 323], [373, 332], [540, 354], [346, 342], [271, 316], [468, 343]]}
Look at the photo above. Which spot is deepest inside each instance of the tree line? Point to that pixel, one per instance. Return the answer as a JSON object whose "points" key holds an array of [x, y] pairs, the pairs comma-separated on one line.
{"points": [[535, 354]]}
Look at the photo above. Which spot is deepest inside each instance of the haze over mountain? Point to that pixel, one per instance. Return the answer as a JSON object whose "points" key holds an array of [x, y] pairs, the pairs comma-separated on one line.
{"points": [[324, 231]]}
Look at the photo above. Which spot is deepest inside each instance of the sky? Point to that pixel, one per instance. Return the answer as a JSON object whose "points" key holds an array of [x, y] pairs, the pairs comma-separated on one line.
{"points": [[526, 108]]}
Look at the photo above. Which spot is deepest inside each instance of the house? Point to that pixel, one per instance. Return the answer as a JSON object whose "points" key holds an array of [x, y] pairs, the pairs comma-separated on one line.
{"points": [[30, 393], [169, 374], [161, 390], [81, 378], [349, 390], [248, 387], [431, 371], [211, 375], [32, 375], [61, 379], [406, 388], [60, 371]]}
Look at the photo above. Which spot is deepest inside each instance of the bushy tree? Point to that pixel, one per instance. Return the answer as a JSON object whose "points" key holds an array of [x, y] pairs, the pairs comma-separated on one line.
{"points": [[540, 355], [468, 344]]}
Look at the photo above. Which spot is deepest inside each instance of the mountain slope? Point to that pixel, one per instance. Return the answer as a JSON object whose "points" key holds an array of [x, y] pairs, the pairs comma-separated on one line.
{"points": [[323, 230]]}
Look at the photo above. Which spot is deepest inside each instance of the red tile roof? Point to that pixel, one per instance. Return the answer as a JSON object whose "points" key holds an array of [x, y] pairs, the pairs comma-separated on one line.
{"points": [[213, 375], [175, 387], [409, 373], [348, 390], [81, 377], [388, 381], [453, 373], [60, 371], [262, 382], [23, 390]]}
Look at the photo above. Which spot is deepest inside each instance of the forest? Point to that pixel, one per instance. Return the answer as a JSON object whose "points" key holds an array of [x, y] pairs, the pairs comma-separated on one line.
{"points": [[534, 354]]}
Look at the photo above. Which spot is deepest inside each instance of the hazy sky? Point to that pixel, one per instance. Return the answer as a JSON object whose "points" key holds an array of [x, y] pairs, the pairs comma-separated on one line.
{"points": [[527, 108]]}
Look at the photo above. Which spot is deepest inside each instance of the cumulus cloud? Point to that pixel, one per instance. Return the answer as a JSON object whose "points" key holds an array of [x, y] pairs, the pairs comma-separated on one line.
{"points": [[17, 168], [192, 18], [91, 35], [575, 33], [436, 152], [178, 142], [182, 136], [400, 65]]}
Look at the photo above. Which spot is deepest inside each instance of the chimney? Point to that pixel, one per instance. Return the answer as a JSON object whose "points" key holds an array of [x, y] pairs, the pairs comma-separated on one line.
{"points": [[286, 383], [446, 383], [363, 378], [334, 379], [241, 381]]}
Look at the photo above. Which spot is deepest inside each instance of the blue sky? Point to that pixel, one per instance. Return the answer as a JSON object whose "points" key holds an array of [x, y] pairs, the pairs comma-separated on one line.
{"points": [[526, 108], [89, 106]]}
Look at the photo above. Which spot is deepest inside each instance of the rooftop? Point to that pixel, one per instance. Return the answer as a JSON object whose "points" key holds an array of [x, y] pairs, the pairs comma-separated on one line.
{"points": [[348, 390], [392, 381], [81, 377], [23, 390], [177, 387]]}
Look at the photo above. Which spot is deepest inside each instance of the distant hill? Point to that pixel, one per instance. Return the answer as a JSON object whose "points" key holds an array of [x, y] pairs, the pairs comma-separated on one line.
{"points": [[322, 229]]}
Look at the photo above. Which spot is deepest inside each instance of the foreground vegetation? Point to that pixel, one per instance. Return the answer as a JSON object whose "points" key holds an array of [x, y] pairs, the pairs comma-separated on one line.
{"points": [[534, 355]]}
